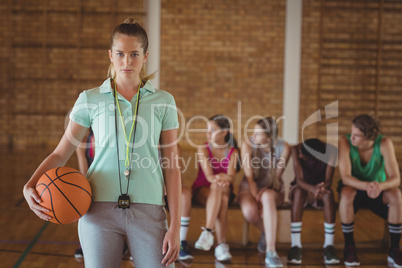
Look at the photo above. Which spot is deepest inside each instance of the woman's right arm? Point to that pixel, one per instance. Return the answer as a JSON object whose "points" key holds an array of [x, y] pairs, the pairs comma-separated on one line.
{"points": [[246, 152], [205, 164], [345, 167], [59, 157], [318, 190], [298, 170]]}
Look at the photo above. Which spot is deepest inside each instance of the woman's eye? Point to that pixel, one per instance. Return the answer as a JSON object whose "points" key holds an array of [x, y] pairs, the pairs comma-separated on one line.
{"points": [[135, 55]]}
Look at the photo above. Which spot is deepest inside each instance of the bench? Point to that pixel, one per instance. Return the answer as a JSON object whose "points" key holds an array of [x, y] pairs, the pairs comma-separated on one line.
{"points": [[286, 206], [287, 176]]}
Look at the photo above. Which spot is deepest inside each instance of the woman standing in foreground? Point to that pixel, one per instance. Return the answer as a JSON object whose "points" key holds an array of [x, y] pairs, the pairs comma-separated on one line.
{"points": [[129, 117]]}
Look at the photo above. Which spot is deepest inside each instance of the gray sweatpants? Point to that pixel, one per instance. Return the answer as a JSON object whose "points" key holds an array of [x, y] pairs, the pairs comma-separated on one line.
{"points": [[103, 228]]}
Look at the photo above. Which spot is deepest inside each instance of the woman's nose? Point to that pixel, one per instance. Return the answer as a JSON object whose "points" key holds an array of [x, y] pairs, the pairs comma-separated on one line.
{"points": [[128, 60]]}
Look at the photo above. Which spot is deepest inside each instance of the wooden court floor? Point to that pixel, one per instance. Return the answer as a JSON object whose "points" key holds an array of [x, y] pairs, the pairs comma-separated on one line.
{"points": [[27, 241], [56, 244]]}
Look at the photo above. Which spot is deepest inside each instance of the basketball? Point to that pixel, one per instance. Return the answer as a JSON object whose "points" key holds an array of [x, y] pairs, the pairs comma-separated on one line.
{"points": [[66, 192]]}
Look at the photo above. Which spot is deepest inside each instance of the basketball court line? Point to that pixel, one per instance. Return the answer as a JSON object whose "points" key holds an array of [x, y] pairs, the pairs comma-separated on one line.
{"points": [[38, 253], [20, 202], [30, 245]]}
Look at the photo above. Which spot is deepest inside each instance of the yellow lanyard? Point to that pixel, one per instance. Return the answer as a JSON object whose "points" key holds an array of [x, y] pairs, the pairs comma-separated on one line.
{"points": [[127, 162]]}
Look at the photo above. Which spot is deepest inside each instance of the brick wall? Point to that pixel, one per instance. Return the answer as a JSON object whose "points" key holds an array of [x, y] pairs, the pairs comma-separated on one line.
{"points": [[5, 59], [218, 53], [53, 50], [214, 54], [351, 52]]}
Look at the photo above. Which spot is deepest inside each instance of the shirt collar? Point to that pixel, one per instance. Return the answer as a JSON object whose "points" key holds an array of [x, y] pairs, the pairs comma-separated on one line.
{"points": [[107, 88]]}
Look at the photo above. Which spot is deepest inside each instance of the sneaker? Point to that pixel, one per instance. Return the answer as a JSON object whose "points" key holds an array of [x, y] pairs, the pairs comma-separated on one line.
{"points": [[272, 259], [78, 253], [330, 256], [184, 252], [395, 257], [262, 245], [294, 255], [219, 265], [350, 255], [205, 241], [222, 252]]}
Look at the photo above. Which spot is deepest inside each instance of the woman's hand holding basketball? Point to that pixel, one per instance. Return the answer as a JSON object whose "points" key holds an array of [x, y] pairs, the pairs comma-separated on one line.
{"points": [[33, 200]]}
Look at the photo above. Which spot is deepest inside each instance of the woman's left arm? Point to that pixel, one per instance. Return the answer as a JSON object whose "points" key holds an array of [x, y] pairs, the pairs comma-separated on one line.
{"points": [[172, 177], [230, 175], [283, 160], [330, 169], [391, 165]]}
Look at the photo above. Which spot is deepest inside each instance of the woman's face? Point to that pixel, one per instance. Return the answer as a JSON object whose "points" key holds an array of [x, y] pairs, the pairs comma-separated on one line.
{"points": [[127, 56], [215, 134], [357, 137], [259, 135]]}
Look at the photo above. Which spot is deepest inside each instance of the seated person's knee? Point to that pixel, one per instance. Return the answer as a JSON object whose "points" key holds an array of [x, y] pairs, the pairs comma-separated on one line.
{"points": [[214, 187], [298, 192], [186, 193], [329, 194], [348, 194], [268, 196], [393, 196], [250, 213]]}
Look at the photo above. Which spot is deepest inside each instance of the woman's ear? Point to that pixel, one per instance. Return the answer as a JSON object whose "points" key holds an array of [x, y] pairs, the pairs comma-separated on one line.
{"points": [[146, 56], [110, 55]]}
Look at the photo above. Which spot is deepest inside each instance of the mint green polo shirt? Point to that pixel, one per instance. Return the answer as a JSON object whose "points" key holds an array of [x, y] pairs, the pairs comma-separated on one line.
{"points": [[157, 112]]}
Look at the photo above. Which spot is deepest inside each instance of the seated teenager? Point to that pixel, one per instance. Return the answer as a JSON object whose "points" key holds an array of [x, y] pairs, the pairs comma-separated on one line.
{"points": [[261, 191], [370, 178], [313, 163]]}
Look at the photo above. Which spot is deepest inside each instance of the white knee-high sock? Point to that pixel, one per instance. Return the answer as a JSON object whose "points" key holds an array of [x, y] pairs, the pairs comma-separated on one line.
{"points": [[184, 223], [329, 234], [295, 229]]}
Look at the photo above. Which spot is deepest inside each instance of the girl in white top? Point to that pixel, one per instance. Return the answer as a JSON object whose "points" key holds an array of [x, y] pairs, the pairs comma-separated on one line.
{"points": [[261, 190]]}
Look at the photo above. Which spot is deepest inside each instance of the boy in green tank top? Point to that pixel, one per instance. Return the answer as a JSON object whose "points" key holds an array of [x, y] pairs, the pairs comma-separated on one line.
{"points": [[370, 178]]}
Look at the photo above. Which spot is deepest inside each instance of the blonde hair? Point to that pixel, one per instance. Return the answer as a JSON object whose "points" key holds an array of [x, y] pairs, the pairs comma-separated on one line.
{"points": [[131, 27], [268, 124]]}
